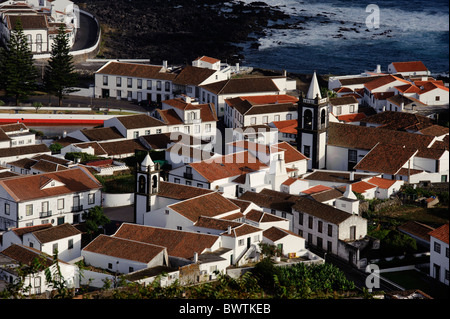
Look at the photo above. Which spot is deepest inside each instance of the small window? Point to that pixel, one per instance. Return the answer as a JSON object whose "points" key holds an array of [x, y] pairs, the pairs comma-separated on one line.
{"points": [[91, 199], [437, 247], [70, 244], [61, 203], [129, 82], [29, 210]]}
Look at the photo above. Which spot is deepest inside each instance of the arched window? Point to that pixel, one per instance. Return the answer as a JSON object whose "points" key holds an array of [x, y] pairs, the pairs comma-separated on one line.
{"points": [[141, 186], [154, 183], [307, 119], [322, 118]]}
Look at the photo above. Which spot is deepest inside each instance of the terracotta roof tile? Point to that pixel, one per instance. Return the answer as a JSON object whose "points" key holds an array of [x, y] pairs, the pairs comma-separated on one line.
{"points": [[123, 248], [441, 233], [181, 244], [386, 158], [209, 205], [27, 187], [139, 121], [409, 66], [275, 233], [227, 166], [136, 70], [56, 232], [179, 191]]}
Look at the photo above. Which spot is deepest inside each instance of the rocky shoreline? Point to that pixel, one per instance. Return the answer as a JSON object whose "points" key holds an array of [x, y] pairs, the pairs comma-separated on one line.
{"points": [[178, 30]]}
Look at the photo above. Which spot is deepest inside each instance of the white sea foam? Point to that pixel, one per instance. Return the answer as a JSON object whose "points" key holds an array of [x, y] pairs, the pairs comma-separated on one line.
{"points": [[326, 21]]}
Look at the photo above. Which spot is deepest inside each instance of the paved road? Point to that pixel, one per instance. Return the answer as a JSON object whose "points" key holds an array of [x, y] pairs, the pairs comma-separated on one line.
{"points": [[87, 33]]}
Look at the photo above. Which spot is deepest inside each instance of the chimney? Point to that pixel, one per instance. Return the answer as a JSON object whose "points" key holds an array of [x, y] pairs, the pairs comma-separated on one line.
{"points": [[195, 257], [284, 73], [165, 64], [229, 230], [378, 68], [352, 176], [64, 133], [237, 67]]}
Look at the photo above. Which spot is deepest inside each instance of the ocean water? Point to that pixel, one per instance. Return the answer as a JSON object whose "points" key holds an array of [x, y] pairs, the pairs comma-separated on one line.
{"points": [[333, 36]]}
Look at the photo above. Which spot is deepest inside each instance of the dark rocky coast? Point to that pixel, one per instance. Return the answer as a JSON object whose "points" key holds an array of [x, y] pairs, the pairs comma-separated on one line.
{"points": [[179, 30]]}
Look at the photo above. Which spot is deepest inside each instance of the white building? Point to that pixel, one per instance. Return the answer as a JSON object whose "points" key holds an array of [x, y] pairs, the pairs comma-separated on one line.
{"points": [[132, 81], [218, 92], [41, 20], [16, 256], [14, 135], [243, 111], [64, 239], [439, 254], [55, 198], [408, 69], [123, 255], [133, 126]]}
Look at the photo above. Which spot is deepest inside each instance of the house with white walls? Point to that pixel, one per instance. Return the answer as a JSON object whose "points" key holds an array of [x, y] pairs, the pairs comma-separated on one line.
{"points": [[217, 173], [218, 92], [10, 154], [55, 198], [184, 214], [343, 105], [123, 256], [17, 134], [16, 255], [41, 20], [287, 131], [244, 111], [134, 81], [439, 254], [329, 229], [378, 90], [39, 164], [187, 115], [261, 134], [183, 247], [204, 70], [133, 126], [64, 239], [290, 244], [348, 144], [408, 68], [265, 220], [179, 155]]}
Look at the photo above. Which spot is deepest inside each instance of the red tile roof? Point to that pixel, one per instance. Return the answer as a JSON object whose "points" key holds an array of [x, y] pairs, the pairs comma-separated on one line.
{"points": [[288, 126], [136, 70], [316, 189], [207, 59], [361, 187], [382, 182], [228, 166], [376, 83], [123, 248], [348, 118], [386, 158], [409, 66], [28, 187], [181, 244], [441, 233], [209, 205]]}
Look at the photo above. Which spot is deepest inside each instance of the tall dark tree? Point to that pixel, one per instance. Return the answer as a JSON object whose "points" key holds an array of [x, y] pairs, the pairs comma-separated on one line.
{"points": [[60, 76], [18, 73]]}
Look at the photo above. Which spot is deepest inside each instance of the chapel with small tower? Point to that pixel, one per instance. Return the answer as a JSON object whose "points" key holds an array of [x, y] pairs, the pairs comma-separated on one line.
{"points": [[147, 187], [312, 125]]}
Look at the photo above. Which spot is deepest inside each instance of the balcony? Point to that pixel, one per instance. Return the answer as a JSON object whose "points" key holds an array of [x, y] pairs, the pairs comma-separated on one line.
{"points": [[78, 208], [187, 175], [45, 214]]}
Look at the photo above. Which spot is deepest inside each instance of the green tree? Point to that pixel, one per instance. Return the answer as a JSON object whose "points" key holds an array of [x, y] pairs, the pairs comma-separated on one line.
{"points": [[60, 76], [95, 219], [16, 66]]}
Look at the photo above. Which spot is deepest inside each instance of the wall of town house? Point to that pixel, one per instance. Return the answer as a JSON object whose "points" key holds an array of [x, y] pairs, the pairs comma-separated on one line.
{"points": [[312, 233], [258, 119], [337, 157], [439, 258], [18, 216], [165, 90], [430, 97], [65, 253]]}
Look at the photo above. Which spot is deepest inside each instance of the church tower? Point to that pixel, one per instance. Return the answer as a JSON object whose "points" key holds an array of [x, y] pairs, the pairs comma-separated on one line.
{"points": [[147, 187], [313, 114]]}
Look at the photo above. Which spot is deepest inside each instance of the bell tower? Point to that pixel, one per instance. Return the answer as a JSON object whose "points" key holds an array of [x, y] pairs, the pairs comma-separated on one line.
{"points": [[147, 187], [312, 126]]}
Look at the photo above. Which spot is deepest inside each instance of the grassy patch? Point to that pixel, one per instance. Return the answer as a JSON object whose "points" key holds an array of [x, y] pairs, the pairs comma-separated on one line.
{"points": [[412, 279]]}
